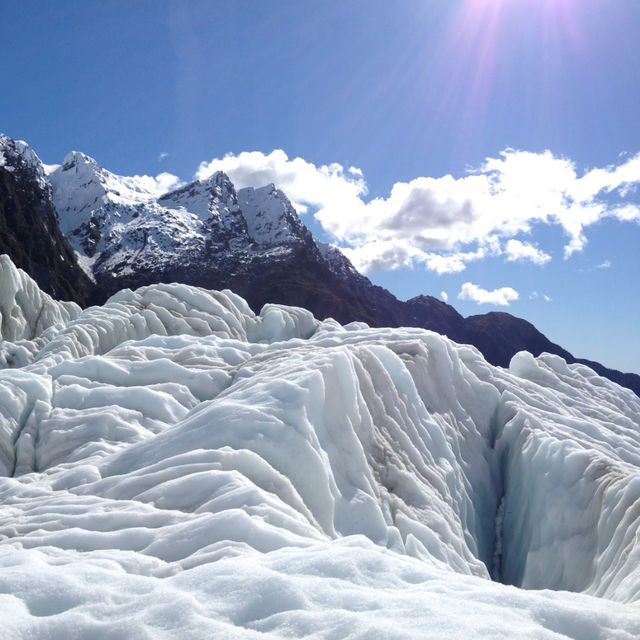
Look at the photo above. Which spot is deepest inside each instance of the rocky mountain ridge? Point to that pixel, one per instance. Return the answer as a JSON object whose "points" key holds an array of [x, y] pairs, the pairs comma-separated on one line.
{"points": [[128, 232], [29, 230]]}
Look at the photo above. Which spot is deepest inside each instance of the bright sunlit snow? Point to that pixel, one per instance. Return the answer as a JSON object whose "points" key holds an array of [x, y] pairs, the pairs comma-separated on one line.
{"points": [[175, 466]]}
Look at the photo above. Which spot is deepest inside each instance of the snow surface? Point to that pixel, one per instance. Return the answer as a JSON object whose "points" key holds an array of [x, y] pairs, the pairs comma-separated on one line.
{"points": [[114, 222], [172, 465]]}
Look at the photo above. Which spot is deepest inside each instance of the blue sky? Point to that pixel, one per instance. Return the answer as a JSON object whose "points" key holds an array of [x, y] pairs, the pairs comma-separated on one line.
{"points": [[473, 149]]}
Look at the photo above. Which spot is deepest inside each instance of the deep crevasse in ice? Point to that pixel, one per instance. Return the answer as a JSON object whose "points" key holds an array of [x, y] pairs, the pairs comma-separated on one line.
{"points": [[211, 471]]}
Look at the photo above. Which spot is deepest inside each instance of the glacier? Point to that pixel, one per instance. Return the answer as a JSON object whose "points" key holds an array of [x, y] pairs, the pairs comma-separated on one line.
{"points": [[174, 465]]}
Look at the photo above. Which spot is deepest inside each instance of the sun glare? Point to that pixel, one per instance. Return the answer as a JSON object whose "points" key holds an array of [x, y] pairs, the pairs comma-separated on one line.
{"points": [[485, 42]]}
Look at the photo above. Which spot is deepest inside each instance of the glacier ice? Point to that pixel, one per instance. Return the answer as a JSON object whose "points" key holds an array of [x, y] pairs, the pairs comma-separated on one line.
{"points": [[174, 465], [26, 311]]}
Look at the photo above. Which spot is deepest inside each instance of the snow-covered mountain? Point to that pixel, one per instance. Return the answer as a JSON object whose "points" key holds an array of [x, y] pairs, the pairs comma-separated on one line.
{"points": [[174, 465], [127, 231]]}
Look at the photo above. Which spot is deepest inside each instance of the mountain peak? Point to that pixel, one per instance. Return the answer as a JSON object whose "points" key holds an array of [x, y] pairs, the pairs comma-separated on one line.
{"points": [[76, 159], [16, 155], [270, 216], [29, 227], [218, 178]]}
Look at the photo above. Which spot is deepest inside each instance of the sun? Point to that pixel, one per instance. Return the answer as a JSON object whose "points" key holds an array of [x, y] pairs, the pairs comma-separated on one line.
{"points": [[486, 40]]}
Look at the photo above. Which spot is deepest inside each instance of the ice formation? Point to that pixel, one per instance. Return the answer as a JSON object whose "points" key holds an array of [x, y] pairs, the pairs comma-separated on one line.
{"points": [[173, 465]]}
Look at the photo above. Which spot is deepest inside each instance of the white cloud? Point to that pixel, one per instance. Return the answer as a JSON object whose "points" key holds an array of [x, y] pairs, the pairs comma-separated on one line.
{"points": [[162, 155], [606, 264], [517, 251], [444, 295], [304, 183], [380, 256], [452, 262], [501, 297], [166, 182], [534, 295], [385, 255], [446, 222]]}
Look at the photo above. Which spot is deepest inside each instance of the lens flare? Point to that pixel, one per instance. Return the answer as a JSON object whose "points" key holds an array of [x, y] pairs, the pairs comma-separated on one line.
{"points": [[484, 47]]}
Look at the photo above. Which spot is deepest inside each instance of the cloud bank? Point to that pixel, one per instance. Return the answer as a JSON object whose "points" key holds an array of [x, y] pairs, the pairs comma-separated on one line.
{"points": [[445, 222]]}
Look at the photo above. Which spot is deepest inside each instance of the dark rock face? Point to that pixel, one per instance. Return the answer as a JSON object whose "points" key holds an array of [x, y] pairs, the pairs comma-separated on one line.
{"points": [[29, 231], [303, 280], [430, 313]]}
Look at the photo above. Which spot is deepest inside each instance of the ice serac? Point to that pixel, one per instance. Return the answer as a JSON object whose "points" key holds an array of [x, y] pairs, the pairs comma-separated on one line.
{"points": [[174, 464], [26, 311]]}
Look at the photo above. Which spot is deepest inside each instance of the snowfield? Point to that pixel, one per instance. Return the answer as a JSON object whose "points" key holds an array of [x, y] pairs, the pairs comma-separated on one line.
{"points": [[174, 466]]}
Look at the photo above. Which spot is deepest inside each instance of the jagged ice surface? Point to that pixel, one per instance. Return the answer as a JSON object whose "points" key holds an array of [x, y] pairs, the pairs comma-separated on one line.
{"points": [[173, 465]]}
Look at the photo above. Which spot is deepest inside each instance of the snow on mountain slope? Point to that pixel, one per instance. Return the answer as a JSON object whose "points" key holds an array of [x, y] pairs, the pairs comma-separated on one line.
{"points": [[175, 466], [114, 223], [338, 262], [126, 225], [17, 152], [270, 216], [214, 201]]}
